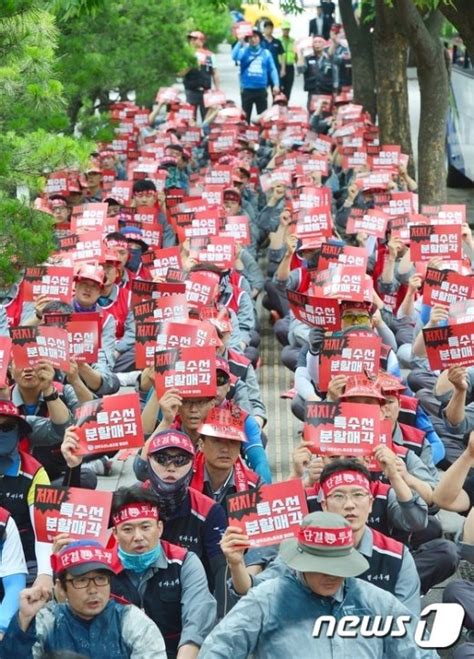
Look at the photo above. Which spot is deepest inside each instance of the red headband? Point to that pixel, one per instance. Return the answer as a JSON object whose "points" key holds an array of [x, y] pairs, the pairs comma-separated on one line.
{"points": [[74, 556], [345, 478], [117, 243], [135, 511], [323, 537]]}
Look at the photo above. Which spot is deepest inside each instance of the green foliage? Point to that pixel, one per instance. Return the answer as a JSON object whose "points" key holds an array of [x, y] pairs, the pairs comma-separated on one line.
{"points": [[31, 104], [132, 45], [26, 239]]}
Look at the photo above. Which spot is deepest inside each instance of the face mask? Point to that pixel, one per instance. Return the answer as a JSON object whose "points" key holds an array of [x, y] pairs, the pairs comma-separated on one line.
{"points": [[134, 260], [8, 448], [139, 562], [170, 495]]}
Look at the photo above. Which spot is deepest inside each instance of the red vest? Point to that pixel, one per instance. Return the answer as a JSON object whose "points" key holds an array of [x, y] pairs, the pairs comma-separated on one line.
{"points": [[119, 309], [14, 308], [413, 438], [244, 478]]}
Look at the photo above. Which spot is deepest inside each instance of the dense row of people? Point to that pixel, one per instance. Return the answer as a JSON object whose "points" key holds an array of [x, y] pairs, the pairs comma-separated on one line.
{"points": [[284, 210]]}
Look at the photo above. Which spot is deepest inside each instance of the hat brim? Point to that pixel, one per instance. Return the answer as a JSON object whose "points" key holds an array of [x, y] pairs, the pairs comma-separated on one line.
{"points": [[80, 570], [152, 451], [139, 241], [351, 565]]}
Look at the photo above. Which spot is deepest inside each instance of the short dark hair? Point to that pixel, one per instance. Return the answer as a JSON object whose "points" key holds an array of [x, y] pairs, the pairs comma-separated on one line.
{"points": [[133, 494], [115, 235], [268, 23], [143, 185], [344, 464]]}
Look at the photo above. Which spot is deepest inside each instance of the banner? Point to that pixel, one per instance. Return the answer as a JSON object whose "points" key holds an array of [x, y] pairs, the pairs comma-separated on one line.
{"points": [[269, 514], [84, 340], [76, 511], [109, 424], [331, 255], [5, 352], [342, 428], [344, 283]]}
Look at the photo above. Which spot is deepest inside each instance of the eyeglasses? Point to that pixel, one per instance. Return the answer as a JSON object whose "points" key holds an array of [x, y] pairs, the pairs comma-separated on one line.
{"points": [[197, 402], [177, 460], [83, 582], [8, 425], [359, 319], [222, 378], [342, 497]]}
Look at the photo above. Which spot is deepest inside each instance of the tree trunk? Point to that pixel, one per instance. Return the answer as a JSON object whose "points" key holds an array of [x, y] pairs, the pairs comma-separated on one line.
{"points": [[360, 41], [74, 108], [461, 14], [390, 50], [434, 92]]}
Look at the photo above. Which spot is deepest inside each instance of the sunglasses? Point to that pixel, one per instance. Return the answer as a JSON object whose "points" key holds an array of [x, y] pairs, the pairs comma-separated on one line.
{"points": [[222, 378], [8, 425], [165, 460], [356, 319]]}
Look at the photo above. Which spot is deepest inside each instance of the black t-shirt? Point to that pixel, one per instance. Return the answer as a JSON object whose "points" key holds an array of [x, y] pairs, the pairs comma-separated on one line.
{"points": [[275, 47]]}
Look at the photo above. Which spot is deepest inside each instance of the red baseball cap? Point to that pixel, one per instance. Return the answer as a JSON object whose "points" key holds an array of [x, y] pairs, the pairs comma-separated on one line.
{"points": [[224, 423], [92, 273]]}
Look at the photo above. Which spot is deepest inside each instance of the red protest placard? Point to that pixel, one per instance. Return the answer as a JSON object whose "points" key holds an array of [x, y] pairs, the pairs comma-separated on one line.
{"points": [[144, 289], [89, 247], [214, 97], [57, 183], [373, 223], [169, 257], [171, 307], [310, 197], [344, 283], [145, 341], [51, 280], [83, 340], [446, 287], [219, 175], [269, 514], [146, 215], [446, 213], [315, 312], [109, 424], [5, 352], [461, 312], [348, 355], [242, 29], [31, 345], [76, 511], [190, 370], [342, 428], [122, 191], [452, 345], [201, 288], [220, 251], [314, 222], [428, 241], [152, 234], [237, 227], [89, 217], [201, 227], [331, 255]]}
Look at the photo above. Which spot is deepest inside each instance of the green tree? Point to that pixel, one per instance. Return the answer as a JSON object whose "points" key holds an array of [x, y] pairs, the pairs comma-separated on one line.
{"points": [[131, 45], [31, 103]]}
